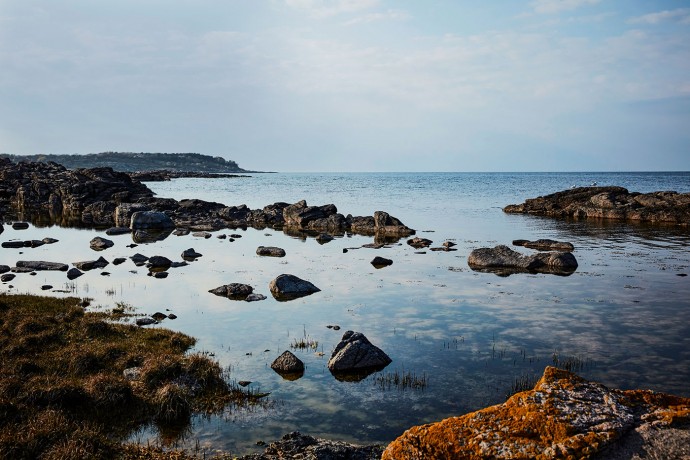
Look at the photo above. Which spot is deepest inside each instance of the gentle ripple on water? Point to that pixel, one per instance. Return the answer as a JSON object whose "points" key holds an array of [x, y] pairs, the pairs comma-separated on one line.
{"points": [[625, 311]]}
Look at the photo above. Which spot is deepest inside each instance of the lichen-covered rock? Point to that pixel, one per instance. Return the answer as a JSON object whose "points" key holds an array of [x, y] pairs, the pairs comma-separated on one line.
{"points": [[609, 203], [564, 416], [296, 445], [503, 260]]}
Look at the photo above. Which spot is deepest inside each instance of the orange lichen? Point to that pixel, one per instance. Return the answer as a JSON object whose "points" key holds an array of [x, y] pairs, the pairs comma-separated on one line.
{"points": [[564, 416]]}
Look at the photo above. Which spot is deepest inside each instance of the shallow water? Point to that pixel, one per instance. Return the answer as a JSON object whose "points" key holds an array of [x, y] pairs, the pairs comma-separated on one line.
{"points": [[624, 314]]}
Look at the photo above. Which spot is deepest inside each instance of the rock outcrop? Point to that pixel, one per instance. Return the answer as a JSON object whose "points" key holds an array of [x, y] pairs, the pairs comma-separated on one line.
{"points": [[296, 445], [503, 261], [564, 416], [609, 203]]}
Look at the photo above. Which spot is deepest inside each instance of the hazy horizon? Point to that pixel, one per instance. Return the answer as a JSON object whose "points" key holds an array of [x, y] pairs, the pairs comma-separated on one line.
{"points": [[353, 85]]}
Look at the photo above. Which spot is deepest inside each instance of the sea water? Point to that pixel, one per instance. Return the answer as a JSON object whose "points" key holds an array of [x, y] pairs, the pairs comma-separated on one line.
{"points": [[466, 338]]}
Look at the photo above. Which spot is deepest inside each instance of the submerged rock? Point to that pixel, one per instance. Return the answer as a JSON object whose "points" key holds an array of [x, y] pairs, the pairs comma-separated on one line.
{"points": [[503, 260], [545, 245], [355, 353], [564, 416], [289, 287]]}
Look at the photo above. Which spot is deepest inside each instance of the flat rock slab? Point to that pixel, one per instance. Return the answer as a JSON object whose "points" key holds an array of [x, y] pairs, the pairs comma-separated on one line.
{"points": [[545, 245], [39, 265], [270, 251], [564, 416], [504, 261], [289, 287]]}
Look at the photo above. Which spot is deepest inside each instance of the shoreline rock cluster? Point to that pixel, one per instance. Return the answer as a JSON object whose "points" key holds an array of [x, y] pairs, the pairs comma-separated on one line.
{"points": [[101, 197], [609, 203]]}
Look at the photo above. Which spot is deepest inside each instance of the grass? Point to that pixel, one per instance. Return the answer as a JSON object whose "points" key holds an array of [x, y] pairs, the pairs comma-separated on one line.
{"points": [[571, 363], [304, 344], [401, 380], [522, 383], [63, 393]]}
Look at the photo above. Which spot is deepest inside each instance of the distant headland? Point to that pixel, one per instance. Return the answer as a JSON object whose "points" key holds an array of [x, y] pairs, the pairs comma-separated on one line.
{"points": [[132, 161]]}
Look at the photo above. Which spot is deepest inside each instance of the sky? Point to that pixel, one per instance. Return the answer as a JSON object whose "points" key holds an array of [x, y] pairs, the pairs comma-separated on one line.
{"points": [[353, 85]]}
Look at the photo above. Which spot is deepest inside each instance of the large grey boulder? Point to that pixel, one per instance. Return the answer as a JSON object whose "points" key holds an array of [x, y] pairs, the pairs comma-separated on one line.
{"points": [[150, 220], [355, 353], [503, 258], [289, 287], [270, 251], [39, 265], [235, 291], [124, 211]]}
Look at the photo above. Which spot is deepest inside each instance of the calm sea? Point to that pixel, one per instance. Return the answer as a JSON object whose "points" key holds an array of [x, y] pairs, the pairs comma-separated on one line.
{"points": [[623, 318]]}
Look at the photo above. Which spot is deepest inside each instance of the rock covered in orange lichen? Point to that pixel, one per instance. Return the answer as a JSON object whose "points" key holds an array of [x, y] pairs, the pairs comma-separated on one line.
{"points": [[564, 416]]}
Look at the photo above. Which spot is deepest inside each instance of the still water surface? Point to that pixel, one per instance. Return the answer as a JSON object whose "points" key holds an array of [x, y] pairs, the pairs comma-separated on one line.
{"points": [[624, 314]]}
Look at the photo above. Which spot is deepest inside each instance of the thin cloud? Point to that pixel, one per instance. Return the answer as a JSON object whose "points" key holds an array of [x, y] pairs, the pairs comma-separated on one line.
{"points": [[329, 8], [556, 6], [390, 15], [681, 15]]}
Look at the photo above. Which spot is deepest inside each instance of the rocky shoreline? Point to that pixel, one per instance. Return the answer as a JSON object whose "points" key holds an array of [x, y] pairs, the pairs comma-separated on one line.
{"points": [[609, 203], [101, 197]]}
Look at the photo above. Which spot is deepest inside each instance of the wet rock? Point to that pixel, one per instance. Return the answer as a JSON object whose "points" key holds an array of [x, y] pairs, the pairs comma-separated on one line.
{"points": [[49, 240], [20, 225], [449, 244], [139, 259], [158, 316], [296, 445], [7, 277], [609, 203], [380, 262], [119, 260], [190, 254], [113, 231], [46, 287], [255, 297], [564, 416], [545, 245], [236, 235], [4, 268], [202, 235], [33, 243], [124, 212], [159, 275], [288, 287], [13, 244], [419, 243], [145, 220], [91, 264], [158, 263], [100, 244], [145, 321], [270, 251], [287, 363], [178, 264], [172, 316], [74, 273], [503, 260], [38, 265], [355, 353], [234, 291], [181, 232]]}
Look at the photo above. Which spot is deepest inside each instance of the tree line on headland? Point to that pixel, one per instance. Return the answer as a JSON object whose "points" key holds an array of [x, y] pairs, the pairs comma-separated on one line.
{"points": [[132, 161]]}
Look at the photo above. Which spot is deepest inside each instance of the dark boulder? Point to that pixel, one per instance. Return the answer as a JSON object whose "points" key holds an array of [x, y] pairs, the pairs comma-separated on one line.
{"points": [[158, 263], [380, 262], [234, 291], [145, 220], [73, 273], [287, 363], [355, 353], [288, 287], [190, 254], [419, 243], [99, 244], [545, 245], [37, 265]]}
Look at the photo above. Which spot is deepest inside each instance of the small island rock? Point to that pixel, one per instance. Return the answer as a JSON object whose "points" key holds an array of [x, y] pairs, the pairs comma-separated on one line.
{"points": [[270, 251], [289, 287], [355, 353]]}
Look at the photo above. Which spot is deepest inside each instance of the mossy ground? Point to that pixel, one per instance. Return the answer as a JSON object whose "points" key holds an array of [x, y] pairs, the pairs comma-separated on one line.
{"points": [[62, 389]]}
